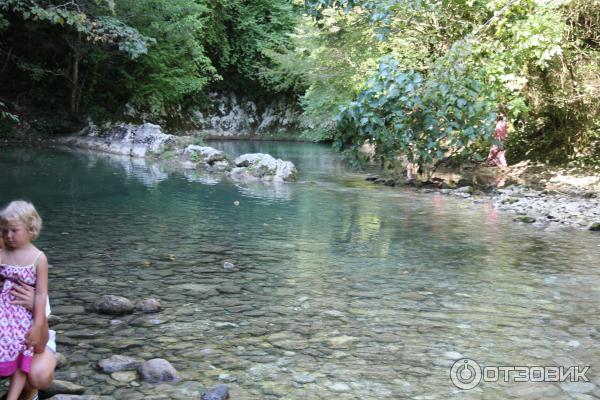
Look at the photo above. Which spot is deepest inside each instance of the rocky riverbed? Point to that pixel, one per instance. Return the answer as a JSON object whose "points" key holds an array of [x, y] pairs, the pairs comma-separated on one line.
{"points": [[550, 198]]}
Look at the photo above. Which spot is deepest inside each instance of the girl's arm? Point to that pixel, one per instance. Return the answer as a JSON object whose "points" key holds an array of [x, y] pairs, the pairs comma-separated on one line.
{"points": [[25, 296], [39, 328]]}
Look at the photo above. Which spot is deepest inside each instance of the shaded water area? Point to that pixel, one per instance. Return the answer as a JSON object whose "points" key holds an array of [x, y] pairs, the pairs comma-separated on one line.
{"points": [[344, 290]]}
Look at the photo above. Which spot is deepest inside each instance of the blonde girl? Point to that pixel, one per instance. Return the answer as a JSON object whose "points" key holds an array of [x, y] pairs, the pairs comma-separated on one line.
{"points": [[21, 263]]}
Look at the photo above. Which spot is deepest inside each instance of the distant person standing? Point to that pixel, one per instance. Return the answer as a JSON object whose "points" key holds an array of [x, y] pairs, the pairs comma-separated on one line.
{"points": [[497, 155]]}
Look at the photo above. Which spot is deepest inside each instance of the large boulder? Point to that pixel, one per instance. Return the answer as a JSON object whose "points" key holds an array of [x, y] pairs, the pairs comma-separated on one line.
{"points": [[126, 139], [159, 370], [114, 305], [258, 166]]}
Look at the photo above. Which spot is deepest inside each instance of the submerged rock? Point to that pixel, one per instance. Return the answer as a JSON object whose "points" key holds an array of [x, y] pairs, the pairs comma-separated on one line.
{"points": [[303, 378], [220, 392], [148, 306], [159, 370], [258, 166], [124, 376], [118, 363], [62, 387], [114, 305]]}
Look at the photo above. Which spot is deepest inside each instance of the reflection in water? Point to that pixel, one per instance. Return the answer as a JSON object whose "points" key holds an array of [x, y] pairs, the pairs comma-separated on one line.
{"points": [[151, 173], [148, 173], [204, 177], [266, 190], [342, 290]]}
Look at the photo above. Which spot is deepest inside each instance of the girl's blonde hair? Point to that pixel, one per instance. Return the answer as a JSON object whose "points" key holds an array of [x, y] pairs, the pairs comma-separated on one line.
{"points": [[22, 212]]}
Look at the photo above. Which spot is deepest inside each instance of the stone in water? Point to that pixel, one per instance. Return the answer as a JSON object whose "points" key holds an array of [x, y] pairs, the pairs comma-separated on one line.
{"points": [[228, 265], [220, 392]]}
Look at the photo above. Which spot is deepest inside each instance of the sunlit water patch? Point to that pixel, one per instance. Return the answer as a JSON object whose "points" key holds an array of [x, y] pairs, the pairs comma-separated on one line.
{"points": [[342, 290]]}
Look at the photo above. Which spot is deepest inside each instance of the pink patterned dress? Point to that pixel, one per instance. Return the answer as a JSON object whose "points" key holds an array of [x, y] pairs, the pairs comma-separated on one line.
{"points": [[15, 321]]}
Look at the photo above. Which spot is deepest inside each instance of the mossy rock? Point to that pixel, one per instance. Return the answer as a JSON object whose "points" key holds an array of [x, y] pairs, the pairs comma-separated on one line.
{"points": [[595, 227], [525, 219]]}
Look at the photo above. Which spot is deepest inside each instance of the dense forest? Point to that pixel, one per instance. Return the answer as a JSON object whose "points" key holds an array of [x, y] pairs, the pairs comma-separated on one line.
{"points": [[422, 78]]}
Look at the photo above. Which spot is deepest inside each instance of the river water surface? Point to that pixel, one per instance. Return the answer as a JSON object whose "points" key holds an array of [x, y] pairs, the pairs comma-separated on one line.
{"points": [[342, 289]]}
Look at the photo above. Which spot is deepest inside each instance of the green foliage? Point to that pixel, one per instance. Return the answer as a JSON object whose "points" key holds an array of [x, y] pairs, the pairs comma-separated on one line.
{"points": [[442, 115], [252, 30], [327, 67], [159, 57], [176, 67], [93, 19], [448, 66]]}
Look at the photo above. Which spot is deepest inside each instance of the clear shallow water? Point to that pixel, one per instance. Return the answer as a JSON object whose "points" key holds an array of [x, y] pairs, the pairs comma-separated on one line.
{"points": [[345, 290]]}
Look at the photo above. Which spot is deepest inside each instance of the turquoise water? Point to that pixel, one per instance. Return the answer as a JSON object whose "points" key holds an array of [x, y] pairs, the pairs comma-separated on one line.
{"points": [[342, 290]]}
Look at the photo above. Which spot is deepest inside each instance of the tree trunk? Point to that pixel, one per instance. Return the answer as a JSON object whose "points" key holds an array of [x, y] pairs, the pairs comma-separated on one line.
{"points": [[75, 77], [75, 84]]}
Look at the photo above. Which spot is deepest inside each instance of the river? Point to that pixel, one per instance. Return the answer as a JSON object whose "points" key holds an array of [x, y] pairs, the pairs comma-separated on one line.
{"points": [[342, 289]]}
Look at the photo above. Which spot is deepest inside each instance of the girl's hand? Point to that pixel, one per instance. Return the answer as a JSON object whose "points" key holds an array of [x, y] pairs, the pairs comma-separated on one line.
{"points": [[24, 295], [37, 337], [38, 334]]}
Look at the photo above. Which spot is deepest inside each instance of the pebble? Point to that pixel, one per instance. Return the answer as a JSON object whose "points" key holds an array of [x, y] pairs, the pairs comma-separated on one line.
{"points": [[124, 376], [303, 378], [339, 387], [228, 265], [453, 355]]}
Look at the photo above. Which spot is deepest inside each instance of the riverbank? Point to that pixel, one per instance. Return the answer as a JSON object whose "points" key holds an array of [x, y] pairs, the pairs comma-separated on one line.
{"points": [[547, 197]]}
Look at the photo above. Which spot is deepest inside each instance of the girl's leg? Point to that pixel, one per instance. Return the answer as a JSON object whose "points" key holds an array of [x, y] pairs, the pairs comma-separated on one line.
{"points": [[17, 382], [41, 374]]}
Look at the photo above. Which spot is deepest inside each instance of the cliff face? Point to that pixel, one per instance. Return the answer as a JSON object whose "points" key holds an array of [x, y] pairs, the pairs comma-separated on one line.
{"points": [[231, 115]]}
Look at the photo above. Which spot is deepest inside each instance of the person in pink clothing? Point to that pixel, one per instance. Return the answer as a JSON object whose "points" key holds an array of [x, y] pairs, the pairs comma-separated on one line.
{"points": [[497, 155], [20, 263]]}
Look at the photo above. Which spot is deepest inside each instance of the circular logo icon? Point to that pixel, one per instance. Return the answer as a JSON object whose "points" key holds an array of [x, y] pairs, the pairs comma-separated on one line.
{"points": [[465, 374]]}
